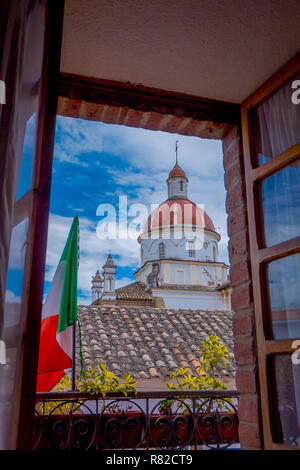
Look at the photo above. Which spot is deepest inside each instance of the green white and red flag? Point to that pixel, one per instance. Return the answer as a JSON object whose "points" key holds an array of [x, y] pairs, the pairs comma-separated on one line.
{"points": [[58, 316]]}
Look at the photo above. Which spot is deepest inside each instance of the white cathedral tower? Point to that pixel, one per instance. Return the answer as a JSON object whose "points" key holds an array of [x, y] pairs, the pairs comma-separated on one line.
{"points": [[179, 258], [179, 252]]}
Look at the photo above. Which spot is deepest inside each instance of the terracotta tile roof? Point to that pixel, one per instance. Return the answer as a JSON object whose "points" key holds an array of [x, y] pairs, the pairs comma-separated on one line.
{"points": [[133, 291], [150, 342]]}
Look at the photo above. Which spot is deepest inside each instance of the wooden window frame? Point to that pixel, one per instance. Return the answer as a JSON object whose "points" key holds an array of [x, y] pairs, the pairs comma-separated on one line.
{"points": [[38, 198], [254, 175]]}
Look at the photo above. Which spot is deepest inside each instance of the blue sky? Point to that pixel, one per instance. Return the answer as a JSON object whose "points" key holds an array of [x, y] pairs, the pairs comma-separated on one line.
{"points": [[95, 163]]}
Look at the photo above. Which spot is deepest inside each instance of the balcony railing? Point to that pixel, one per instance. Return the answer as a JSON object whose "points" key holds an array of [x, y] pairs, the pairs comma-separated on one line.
{"points": [[149, 420]]}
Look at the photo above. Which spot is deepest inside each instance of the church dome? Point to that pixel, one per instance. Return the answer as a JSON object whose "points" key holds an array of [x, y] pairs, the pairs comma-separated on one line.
{"points": [[178, 212], [177, 171]]}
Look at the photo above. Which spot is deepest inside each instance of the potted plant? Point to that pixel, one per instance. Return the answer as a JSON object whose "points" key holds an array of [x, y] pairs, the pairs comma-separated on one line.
{"points": [[117, 427], [73, 424], [216, 418]]}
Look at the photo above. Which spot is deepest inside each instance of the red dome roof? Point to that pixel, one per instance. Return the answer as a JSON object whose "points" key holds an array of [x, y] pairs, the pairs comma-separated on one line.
{"points": [[188, 213], [177, 171]]}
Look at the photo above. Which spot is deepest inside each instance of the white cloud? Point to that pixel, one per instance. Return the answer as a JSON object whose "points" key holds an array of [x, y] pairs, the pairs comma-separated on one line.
{"points": [[123, 282], [77, 137], [93, 252], [146, 150], [17, 251], [10, 297]]}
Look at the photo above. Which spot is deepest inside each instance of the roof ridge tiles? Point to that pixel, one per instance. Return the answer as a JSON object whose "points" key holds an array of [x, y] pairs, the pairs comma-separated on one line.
{"points": [[155, 333]]}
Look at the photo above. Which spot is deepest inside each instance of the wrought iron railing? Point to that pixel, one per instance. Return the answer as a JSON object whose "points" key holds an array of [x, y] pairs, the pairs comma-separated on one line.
{"points": [[149, 420]]}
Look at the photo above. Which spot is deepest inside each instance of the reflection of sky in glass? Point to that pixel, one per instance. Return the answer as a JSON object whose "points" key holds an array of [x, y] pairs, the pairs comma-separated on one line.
{"points": [[25, 179], [284, 283], [287, 377], [17, 254], [281, 205]]}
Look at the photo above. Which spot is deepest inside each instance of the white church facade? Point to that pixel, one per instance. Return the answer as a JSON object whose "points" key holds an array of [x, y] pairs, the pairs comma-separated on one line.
{"points": [[179, 256]]}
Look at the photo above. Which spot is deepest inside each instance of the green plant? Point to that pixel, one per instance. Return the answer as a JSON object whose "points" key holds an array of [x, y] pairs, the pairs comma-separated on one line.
{"points": [[100, 380], [95, 380], [61, 406], [212, 352]]}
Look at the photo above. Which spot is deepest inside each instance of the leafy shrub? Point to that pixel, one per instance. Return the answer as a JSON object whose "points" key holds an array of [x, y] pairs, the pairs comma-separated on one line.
{"points": [[95, 380], [212, 352]]}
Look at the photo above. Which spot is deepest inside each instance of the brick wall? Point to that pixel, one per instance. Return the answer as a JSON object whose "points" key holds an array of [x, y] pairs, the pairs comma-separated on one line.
{"points": [[242, 302], [151, 119]]}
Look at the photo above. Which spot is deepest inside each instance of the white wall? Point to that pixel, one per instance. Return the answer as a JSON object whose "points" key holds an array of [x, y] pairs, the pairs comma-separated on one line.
{"points": [[177, 248], [191, 300]]}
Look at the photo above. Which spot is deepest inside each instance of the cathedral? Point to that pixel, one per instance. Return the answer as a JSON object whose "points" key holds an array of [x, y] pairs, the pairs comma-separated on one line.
{"points": [[179, 265]]}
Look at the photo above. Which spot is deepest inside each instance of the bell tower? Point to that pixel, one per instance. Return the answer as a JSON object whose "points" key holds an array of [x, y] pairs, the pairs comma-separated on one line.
{"points": [[177, 181], [97, 286], [109, 275]]}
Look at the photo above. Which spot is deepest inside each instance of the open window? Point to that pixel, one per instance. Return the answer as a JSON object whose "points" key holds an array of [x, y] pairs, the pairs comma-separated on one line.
{"points": [[29, 64], [271, 137]]}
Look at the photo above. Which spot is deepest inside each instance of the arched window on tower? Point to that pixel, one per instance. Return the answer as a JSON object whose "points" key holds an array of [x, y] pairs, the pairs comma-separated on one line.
{"points": [[109, 284], [215, 253], [192, 251], [181, 185], [97, 294], [161, 250]]}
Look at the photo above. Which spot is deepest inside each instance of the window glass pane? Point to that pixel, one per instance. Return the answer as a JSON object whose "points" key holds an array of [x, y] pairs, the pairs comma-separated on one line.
{"points": [[284, 296], [25, 177], [281, 204], [12, 336], [287, 377], [22, 71], [277, 123]]}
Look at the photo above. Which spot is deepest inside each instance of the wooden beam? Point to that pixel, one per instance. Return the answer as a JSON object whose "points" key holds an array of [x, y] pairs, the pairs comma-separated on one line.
{"points": [[23, 207], [277, 163], [147, 99], [283, 346], [286, 248]]}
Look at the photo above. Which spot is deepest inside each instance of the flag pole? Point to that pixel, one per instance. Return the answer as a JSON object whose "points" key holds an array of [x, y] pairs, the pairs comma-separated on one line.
{"points": [[73, 355], [74, 322]]}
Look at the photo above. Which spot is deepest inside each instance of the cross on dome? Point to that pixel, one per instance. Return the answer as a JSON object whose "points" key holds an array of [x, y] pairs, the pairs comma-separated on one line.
{"points": [[177, 180], [176, 151]]}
